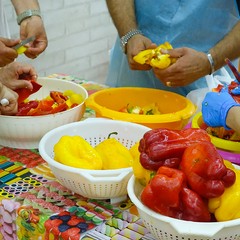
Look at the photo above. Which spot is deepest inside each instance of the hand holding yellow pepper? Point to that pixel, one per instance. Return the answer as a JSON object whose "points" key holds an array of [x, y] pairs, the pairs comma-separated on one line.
{"points": [[154, 57]]}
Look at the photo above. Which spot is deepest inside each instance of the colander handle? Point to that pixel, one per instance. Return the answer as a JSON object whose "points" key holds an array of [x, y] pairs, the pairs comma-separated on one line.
{"points": [[209, 231], [115, 177]]}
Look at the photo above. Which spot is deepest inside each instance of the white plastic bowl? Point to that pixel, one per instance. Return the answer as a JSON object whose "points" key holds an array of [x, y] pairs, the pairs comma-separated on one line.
{"points": [[167, 228], [97, 184], [25, 132]]}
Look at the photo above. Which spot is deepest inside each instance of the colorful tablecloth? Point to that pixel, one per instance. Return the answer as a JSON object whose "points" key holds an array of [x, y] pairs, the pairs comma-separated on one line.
{"points": [[35, 206]]}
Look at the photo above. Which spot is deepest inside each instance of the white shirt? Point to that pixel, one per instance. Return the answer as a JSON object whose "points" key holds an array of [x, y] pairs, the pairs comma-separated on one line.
{"points": [[4, 29]]}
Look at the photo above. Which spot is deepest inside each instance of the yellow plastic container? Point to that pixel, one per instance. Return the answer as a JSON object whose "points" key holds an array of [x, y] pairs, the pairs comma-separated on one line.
{"points": [[218, 142], [176, 110]]}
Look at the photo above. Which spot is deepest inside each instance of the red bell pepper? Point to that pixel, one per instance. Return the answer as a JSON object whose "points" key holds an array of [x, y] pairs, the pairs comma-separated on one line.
{"points": [[162, 193], [24, 108], [205, 170], [168, 194], [58, 97], [24, 93], [193, 207], [165, 147], [44, 107]]}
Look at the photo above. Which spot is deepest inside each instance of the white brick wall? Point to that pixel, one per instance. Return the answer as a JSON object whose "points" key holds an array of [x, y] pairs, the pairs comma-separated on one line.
{"points": [[80, 35]]}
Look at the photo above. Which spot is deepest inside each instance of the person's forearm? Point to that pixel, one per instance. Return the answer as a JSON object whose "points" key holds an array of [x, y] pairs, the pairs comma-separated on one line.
{"points": [[228, 47], [123, 15], [23, 5], [233, 119]]}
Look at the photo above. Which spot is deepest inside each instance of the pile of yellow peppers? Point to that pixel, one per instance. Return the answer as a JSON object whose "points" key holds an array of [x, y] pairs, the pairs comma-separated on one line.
{"points": [[155, 58], [75, 151]]}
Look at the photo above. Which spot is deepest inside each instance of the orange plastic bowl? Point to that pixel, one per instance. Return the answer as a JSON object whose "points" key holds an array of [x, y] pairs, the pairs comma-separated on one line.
{"points": [[220, 143], [176, 110]]}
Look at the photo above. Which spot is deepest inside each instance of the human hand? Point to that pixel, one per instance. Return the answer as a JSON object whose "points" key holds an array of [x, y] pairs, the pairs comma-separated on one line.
{"points": [[215, 107], [12, 97], [7, 53], [13, 75], [34, 27], [190, 66], [136, 44]]}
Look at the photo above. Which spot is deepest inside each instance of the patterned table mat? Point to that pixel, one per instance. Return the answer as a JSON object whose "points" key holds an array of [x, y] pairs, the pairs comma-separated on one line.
{"points": [[36, 206]]}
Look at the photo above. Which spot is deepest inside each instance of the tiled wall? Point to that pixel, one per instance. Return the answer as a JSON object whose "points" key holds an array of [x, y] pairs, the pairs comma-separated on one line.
{"points": [[80, 34]]}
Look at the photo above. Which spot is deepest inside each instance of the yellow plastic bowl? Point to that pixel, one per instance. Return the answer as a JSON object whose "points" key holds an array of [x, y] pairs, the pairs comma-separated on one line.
{"points": [[218, 142], [176, 110]]}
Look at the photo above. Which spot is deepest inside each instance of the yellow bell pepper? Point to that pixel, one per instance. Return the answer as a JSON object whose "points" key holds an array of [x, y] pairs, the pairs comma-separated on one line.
{"points": [[75, 151], [144, 56], [114, 154], [161, 61], [142, 174], [21, 50], [154, 57], [226, 207], [73, 98]]}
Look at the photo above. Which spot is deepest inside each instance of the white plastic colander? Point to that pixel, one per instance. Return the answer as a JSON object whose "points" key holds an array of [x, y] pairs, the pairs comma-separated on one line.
{"points": [[167, 228], [97, 184]]}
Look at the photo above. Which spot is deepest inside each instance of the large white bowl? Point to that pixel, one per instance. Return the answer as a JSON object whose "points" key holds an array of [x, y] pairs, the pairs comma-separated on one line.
{"points": [[97, 184], [167, 228], [25, 132]]}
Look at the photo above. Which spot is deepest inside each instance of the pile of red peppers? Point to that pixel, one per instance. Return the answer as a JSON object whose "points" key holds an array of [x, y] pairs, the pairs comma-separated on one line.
{"points": [[189, 171]]}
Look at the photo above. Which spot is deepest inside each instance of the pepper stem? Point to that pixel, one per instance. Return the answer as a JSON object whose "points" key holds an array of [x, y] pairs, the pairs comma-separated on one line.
{"points": [[109, 135]]}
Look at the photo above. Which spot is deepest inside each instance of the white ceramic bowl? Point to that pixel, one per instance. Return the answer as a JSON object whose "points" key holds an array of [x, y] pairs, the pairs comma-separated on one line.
{"points": [[25, 132], [97, 184]]}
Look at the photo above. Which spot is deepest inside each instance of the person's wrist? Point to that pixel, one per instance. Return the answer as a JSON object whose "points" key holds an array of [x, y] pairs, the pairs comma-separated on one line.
{"points": [[227, 105], [211, 62], [27, 14], [124, 39], [232, 120]]}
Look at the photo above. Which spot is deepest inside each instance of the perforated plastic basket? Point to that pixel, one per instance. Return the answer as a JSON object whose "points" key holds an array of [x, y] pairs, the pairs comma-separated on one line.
{"points": [[98, 184], [166, 228]]}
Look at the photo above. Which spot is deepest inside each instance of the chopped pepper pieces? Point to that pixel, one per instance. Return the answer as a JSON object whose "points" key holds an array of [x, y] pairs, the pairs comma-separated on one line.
{"points": [[56, 102]]}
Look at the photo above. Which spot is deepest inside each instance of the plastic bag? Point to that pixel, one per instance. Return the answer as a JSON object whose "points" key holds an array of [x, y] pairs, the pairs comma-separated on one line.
{"points": [[197, 95]]}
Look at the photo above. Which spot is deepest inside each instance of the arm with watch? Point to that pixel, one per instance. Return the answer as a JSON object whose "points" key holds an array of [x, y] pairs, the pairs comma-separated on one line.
{"points": [[131, 38], [195, 64], [191, 64], [29, 18]]}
